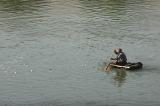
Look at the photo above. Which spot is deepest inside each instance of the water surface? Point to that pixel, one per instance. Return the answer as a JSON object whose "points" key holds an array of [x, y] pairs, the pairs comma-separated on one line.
{"points": [[52, 52]]}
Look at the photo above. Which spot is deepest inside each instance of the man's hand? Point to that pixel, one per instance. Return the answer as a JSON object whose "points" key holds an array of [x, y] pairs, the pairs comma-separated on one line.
{"points": [[112, 59]]}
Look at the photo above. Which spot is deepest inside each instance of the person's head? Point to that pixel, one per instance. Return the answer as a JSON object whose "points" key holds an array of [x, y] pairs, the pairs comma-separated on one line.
{"points": [[119, 50]]}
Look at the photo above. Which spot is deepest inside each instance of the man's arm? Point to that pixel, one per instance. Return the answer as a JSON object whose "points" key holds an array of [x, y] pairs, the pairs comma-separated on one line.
{"points": [[113, 59]]}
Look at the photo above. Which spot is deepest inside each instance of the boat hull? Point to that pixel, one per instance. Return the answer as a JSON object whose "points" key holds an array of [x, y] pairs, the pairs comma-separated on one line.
{"points": [[129, 66]]}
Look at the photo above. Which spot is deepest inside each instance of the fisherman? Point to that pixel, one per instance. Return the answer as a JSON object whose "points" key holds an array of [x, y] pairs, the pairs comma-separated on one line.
{"points": [[121, 58]]}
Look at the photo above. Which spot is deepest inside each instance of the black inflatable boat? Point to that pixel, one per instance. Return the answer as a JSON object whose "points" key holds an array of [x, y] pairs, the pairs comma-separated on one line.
{"points": [[129, 66]]}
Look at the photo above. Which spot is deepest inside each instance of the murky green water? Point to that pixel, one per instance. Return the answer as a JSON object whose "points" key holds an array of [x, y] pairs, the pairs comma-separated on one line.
{"points": [[52, 52]]}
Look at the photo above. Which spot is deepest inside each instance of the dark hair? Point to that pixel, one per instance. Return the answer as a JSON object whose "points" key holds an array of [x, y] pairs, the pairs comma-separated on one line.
{"points": [[119, 50]]}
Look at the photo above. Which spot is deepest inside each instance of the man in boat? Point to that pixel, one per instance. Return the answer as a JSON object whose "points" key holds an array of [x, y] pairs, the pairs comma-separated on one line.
{"points": [[121, 58]]}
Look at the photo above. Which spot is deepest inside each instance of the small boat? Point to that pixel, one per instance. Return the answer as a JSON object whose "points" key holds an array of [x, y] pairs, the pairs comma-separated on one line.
{"points": [[129, 66]]}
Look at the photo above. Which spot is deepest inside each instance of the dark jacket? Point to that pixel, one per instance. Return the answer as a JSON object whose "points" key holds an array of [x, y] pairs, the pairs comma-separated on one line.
{"points": [[121, 58]]}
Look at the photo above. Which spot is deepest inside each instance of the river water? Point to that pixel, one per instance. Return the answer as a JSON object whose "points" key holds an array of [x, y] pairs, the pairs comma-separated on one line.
{"points": [[52, 52]]}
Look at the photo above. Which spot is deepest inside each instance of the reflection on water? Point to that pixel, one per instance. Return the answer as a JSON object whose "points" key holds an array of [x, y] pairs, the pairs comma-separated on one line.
{"points": [[19, 6], [115, 16], [120, 77], [20, 15], [105, 7], [114, 9]]}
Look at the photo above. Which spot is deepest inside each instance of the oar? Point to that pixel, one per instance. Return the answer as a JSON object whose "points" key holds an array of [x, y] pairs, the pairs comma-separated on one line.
{"points": [[109, 67]]}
